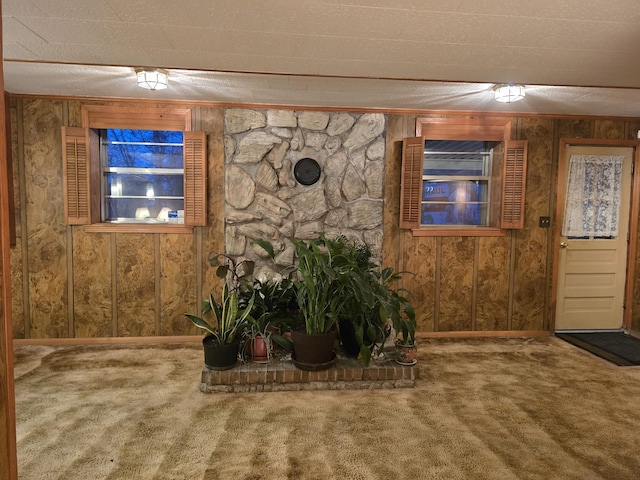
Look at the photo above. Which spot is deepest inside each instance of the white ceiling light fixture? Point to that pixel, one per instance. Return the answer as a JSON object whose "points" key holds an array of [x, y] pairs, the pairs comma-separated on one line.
{"points": [[509, 92], [152, 79]]}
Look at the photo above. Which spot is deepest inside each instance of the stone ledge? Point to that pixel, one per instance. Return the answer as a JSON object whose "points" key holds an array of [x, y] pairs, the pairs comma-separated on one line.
{"points": [[281, 375]]}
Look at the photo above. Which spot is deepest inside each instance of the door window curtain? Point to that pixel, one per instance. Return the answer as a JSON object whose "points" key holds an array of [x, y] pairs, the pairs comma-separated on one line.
{"points": [[593, 198]]}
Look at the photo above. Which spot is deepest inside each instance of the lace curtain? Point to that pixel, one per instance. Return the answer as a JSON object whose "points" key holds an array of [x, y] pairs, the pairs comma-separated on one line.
{"points": [[593, 196]]}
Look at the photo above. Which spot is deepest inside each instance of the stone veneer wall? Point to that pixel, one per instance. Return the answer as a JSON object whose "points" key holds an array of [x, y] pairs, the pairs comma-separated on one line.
{"points": [[263, 198]]}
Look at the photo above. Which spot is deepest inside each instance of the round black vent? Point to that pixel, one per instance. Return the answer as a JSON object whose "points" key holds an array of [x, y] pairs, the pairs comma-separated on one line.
{"points": [[307, 171]]}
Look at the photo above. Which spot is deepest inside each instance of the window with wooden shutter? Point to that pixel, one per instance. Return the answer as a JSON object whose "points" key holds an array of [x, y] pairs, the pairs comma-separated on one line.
{"points": [[411, 186], [135, 170], [78, 192], [195, 179], [514, 184], [463, 177]]}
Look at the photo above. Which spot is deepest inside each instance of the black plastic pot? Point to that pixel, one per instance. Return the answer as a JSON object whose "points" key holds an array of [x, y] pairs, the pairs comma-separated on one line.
{"points": [[348, 340], [220, 357], [313, 352]]}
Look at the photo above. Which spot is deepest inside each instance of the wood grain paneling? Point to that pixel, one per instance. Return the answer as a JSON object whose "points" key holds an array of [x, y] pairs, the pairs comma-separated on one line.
{"points": [[45, 228], [575, 128], [17, 299], [136, 285], [212, 236], [530, 296], [92, 292], [8, 454], [456, 283], [486, 284], [393, 163], [419, 259], [177, 283], [492, 283], [609, 129]]}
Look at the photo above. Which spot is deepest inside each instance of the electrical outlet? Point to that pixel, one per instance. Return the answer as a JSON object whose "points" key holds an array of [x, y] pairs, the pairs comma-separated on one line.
{"points": [[545, 222]]}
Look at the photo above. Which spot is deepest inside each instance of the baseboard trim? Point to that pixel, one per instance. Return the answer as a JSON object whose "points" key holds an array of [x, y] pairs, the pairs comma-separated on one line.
{"points": [[106, 340], [198, 338], [492, 334]]}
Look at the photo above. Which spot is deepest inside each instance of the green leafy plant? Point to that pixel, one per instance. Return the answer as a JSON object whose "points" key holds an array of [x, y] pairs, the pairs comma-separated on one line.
{"points": [[230, 319], [396, 306], [326, 280], [336, 282], [274, 309], [371, 301]]}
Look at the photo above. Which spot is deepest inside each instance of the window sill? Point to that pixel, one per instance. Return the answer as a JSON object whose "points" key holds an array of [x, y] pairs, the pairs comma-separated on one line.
{"points": [[137, 228], [458, 232]]}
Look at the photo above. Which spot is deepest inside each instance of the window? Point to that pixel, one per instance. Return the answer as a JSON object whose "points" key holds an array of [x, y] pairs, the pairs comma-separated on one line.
{"points": [[462, 177], [135, 170], [142, 176], [455, 182]]}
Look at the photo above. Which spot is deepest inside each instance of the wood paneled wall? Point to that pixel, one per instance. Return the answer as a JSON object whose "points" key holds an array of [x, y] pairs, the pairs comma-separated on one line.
{"points": [[8, 455], [485, 284], [70, 283]]}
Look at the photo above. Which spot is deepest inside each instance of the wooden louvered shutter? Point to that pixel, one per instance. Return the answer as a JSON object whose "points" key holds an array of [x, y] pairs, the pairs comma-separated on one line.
{"points": [[77, 175], [514, 180], [195, 179], [411, 182]]}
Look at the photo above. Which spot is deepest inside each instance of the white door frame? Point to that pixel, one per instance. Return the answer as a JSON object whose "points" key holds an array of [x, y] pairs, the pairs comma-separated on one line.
{"points": [[633, 220]]}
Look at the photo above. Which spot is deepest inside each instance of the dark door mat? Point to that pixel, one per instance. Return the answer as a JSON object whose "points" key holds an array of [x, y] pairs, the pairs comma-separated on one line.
{"points": [[616, 347]]}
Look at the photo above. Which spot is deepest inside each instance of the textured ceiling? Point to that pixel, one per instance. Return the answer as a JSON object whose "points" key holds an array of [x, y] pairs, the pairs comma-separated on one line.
{"points": [[575, 56]]}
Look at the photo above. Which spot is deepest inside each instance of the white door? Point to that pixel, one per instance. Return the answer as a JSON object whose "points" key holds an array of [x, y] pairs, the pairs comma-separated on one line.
{"points": [[592, 262]]}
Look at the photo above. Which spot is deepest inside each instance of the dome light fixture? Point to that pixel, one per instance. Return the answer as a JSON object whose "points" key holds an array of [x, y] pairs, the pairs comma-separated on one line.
{"points": [[154, 79], [508, 92]]}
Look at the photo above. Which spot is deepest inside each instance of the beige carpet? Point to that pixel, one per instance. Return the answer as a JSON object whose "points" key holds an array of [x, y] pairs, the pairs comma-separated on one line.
{"points": [[484, 409]]}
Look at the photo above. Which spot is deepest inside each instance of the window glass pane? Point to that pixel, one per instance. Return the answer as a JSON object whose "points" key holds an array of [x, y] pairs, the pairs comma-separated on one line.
{"points": [[144, 148], [456, 182], [460, 202], [145, 185], [143, 176], [456, 157]]}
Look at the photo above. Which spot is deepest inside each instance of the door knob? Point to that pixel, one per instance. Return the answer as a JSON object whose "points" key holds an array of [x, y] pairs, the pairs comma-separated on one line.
{"points": [[564, 244]]}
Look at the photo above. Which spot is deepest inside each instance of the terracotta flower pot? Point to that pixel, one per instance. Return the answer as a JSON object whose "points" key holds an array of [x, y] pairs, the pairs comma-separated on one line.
{"points": [[406, 353], [259, 349]]}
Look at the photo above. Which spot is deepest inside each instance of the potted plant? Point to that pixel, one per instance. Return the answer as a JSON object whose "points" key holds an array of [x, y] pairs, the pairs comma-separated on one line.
{"points": [[373, 304], [398, 309], [221, 342], [320, 280], [362, 328], [272, 310]]}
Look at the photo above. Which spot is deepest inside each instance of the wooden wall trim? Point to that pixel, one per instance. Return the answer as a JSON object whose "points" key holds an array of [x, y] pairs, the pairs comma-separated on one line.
{"points": [[107, 116], [58, 342], [484, 334], [634, 212], [9, 152], [311, 108], [8, 450]]}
